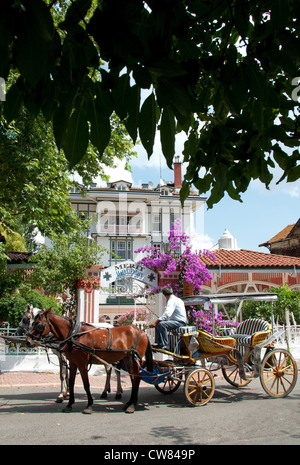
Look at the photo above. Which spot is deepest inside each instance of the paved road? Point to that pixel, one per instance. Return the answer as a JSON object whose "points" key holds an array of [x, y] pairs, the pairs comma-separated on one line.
{"points": [[28, 415]]}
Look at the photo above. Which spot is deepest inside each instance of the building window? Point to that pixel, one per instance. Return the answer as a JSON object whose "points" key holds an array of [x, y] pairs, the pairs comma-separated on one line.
{"points": [[116, 320], [156, 222], [104, 319], [157, 245], [122, 248], [84, 210], [172, 217]]}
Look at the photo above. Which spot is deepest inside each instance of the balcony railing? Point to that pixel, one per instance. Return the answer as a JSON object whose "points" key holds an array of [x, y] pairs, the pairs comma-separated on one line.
{"points": [[120, 229]]}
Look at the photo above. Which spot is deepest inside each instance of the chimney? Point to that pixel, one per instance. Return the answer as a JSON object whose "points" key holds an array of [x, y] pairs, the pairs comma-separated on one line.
{"points": [[177, 172]]}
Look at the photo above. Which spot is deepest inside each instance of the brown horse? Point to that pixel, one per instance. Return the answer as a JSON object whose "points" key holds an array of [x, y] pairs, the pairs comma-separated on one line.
{"points": [[26, 323], [83, 346]]}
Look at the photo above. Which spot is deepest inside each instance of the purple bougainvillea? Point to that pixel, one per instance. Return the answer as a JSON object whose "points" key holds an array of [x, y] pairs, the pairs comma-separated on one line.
{"points": [[179, 257], [203, 319]]}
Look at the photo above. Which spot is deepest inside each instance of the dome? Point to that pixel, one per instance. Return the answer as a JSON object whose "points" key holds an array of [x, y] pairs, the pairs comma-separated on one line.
{"points": [[227, 241]]}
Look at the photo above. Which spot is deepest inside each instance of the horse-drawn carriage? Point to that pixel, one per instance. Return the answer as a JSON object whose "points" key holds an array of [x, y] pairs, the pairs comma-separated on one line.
{"points": [[192, 358], [242, 355]]}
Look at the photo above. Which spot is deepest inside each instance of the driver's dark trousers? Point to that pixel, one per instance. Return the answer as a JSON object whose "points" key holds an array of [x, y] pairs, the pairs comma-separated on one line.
{"points": [[162, 328]]}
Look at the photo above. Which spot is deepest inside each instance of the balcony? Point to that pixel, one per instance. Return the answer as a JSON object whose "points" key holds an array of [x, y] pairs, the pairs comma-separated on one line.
{"points": [[127, 229]]}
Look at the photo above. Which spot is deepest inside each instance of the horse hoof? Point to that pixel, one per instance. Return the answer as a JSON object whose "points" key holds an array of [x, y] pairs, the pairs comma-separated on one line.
{"points": [[103, 395], [130, 409], [118, 396], [67, 409], [87, 411], [59, 400]]}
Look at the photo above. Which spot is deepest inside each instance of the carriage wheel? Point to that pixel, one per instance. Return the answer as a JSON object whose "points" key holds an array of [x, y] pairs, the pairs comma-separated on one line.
{"points": [[170, 385], [232, 375], [278, 373], [199, 386]]}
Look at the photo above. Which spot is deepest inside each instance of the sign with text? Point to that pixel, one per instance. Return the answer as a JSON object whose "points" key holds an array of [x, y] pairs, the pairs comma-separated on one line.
{"points": [[128, 269]]}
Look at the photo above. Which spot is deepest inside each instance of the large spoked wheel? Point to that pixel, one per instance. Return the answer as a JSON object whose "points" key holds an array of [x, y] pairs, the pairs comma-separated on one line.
{"points": [[232, 375], [199, 387], [171, 382], [278, 373]]}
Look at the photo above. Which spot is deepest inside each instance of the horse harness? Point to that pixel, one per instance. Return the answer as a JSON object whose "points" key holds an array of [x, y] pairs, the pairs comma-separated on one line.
{"points": [[75, 332]]}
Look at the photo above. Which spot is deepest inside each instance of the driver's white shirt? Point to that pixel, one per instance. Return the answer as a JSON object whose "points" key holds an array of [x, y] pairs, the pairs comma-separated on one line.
{"points": [[174, 310]]}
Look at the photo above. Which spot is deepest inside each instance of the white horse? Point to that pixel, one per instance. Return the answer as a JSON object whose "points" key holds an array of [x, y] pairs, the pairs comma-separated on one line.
{"points": [[26, 323]]}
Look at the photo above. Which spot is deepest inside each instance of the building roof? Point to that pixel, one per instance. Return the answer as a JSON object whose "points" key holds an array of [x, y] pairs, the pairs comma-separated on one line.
{"points": [[146, 188], [282, 235], [249, 259]]}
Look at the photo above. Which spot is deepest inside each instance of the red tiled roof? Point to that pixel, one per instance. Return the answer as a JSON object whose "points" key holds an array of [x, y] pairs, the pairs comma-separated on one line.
{"points": [[249, 259]]}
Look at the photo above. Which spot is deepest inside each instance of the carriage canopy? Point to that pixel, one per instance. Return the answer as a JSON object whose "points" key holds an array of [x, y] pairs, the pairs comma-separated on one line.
{"points": [[228, 298]]}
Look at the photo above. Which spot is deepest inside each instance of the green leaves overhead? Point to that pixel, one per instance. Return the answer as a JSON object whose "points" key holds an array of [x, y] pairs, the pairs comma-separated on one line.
{"points": [[100, 128], [36, 42], [221, 71], [147, 123], [76, 138], [167, 135]]}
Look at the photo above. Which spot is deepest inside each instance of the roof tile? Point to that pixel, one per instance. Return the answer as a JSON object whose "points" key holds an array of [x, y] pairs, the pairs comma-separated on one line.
{"points": [[282, 234], [249, 259]]}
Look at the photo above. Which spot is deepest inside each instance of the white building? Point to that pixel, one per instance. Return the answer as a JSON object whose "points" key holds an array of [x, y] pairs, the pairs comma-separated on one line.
{"points": [[125, 218]]}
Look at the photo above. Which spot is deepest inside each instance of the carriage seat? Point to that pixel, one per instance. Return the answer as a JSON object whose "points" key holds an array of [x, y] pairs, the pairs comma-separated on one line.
{"points": [[191, 330], [176, 335], [252, 332]]}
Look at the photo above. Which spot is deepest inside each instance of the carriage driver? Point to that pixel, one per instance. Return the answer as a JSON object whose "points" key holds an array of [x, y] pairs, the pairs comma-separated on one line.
{"points": [[174, 317]]}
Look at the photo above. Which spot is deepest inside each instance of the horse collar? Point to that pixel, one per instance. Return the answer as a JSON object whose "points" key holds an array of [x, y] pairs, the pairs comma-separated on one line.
{"points": [[75, 328]]}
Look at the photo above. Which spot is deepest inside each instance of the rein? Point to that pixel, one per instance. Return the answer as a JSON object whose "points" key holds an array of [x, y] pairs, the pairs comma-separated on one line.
{"points": [[75, 333]]}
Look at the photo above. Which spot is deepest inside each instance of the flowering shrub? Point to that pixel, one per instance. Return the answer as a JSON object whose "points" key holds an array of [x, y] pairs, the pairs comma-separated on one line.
{"points": [[203, 319], [190, 270], [128, 317], [186, 262]]}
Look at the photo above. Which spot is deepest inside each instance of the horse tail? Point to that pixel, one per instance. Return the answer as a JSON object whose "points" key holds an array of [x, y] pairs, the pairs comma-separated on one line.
{"points": [[149, 356]]}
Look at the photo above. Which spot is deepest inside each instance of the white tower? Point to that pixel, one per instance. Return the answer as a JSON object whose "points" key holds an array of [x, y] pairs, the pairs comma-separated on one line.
{"points": [[227, 241]]}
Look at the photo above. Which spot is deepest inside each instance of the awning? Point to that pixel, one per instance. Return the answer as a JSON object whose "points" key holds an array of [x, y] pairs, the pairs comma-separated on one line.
{"points": [[228, 298]]}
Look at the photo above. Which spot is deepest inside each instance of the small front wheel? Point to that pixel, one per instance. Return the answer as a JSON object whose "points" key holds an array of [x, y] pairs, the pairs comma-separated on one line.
{"points": [[278, 373], [199, 387], [171, 382]]}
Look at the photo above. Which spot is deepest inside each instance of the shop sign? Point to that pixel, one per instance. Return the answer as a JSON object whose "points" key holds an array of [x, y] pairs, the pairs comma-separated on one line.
{"points": [[128, 270]]}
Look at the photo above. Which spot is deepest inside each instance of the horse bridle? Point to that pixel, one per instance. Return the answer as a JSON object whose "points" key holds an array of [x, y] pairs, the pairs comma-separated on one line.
{"points": [[39, 326], [23, 326]]}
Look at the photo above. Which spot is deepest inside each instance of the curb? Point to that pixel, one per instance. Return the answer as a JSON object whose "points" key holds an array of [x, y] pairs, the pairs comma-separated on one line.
{"points": [[41, 379]]}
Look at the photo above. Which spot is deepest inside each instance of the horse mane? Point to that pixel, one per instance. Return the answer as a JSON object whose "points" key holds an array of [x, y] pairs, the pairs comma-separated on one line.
{"points": [[35, 311]]}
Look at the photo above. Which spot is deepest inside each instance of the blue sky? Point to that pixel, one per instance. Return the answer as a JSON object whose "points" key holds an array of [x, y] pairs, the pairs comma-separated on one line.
{"points": [[262, 214]]}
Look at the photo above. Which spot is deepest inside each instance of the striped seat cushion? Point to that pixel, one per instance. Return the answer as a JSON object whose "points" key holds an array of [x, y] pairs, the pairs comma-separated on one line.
{"points": [[242, 339], [251, 326], [228, 331], [246, 330]]}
